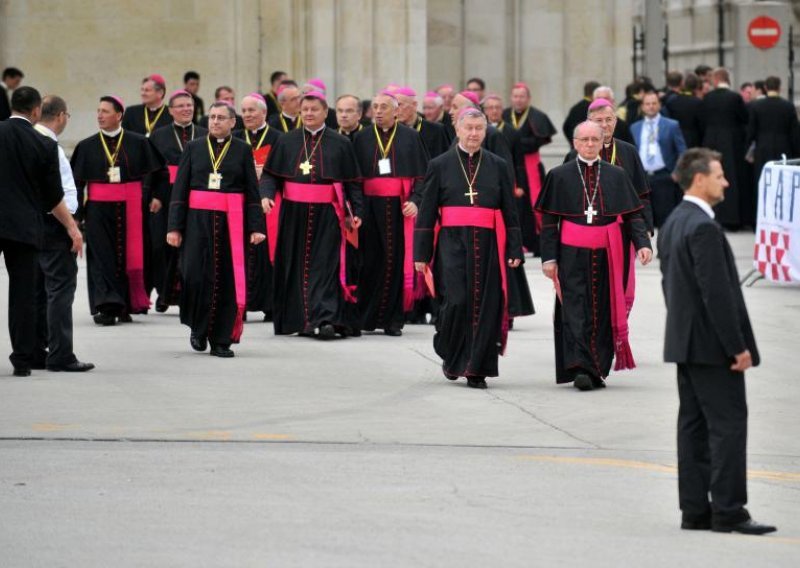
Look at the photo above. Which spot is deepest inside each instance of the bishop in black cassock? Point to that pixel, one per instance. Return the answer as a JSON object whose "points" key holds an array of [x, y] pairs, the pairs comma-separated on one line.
{"points": [[581, 204], [215, 210], [109, 170], [469, 192], [316, 171], [392, 160]]}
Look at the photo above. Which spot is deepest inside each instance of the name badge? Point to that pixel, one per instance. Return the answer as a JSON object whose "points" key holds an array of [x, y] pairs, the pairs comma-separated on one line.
{"points": [[114, 175], [214, 181], [384, 166]]}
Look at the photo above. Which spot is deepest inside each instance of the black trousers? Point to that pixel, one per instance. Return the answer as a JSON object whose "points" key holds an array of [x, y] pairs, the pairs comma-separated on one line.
{"points": [[56, 283], [712, 443], [20, 259]]}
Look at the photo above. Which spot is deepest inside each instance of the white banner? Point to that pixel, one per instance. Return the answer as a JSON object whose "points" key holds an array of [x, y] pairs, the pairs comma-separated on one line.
{"points": [[777, 250]]}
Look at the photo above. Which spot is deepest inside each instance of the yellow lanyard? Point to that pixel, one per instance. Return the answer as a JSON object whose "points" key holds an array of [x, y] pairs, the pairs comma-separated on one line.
{"points": [[112, 159], [261, 140], [419, 124], [148, 126], [286, 126], [500, 125], [217, 162], [613, 152], [385, 151], [516, 123]]}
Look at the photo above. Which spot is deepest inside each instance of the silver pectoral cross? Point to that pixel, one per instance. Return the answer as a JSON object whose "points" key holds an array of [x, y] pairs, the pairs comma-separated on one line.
{"points": [[591, 212]]}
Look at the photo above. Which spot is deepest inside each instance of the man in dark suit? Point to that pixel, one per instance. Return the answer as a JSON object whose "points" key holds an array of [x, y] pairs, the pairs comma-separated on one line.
{"points": [[708, 334], [12, 77], [660, 144], [724, 117], [578, 112], [30, 184], [773, 127]]}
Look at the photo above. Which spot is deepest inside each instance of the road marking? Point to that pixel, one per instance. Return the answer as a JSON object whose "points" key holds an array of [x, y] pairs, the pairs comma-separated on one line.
{"points": [[265, 436], [51, 427], [649, 466]]}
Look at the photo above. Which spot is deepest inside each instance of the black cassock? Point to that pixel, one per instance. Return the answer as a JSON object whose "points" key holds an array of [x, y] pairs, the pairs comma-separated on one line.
{"points": [[577, 114], [434, 136], [520, 301], [382, 235], [470, 327], [283, 124], [308, 291], [259, 265], [169, 142], [208, 295], [352, 134], [583, 334], [686, 109], [724, 117], [774, 129], [105, 221], [134, 119]]}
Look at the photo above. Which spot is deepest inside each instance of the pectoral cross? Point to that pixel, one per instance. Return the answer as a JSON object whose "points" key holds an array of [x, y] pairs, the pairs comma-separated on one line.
{"points": [[590, 213], [472, 195], [306, 167]]}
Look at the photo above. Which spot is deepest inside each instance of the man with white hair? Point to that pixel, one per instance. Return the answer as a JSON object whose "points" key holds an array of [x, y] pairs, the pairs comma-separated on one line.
{"points": [[468, 191], [434, 136], [393, 161], [586, 205], [621, 129], [289, 118], [433, 107], [261, 138]]}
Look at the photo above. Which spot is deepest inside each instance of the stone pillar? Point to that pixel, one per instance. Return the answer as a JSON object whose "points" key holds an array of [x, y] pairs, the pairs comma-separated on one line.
{"points": [[654, 41]]}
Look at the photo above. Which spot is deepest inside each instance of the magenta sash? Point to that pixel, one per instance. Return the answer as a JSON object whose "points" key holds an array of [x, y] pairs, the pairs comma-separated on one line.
{"points": [[232, 204], [273, 221], [399, 187], [173, 173], [333, 194], [129, 193], [532, 162], [484, 218], [609, 237]]}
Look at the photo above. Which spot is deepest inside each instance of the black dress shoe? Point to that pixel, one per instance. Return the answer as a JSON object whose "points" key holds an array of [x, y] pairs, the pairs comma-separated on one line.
{"points": [[583, 382], [354, 332], [22, 371], [598, 383], [219, 350], [745, 527], [198, 342], [161, 307], [393, 332], [104, 319], [447, 375], [476, 383], [267, 316], [125, 318], [74, 367], [326, 331]]}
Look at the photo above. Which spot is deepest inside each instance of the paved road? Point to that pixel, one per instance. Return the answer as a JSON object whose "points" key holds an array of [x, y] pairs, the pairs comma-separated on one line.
{"points": [[358, 452]]}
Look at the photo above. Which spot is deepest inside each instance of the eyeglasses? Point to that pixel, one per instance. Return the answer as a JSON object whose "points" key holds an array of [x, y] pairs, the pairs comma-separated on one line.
{"points": [[218, 117], [590, 139]]}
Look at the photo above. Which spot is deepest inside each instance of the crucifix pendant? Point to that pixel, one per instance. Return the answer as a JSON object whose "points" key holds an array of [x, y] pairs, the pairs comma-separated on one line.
{"points": [[472, 195], [591, 212], [306, 167]]}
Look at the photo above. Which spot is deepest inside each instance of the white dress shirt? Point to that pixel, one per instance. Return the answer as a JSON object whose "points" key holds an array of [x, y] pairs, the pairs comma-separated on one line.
{"points": [[67, 181], [649, 148], [701, 204]]}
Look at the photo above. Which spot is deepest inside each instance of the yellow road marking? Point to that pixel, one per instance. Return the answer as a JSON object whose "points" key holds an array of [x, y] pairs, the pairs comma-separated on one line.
{"points": [[649, 466]]}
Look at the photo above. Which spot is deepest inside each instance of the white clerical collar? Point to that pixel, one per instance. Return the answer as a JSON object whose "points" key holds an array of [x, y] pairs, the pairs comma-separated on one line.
{"points": [[112, 133], [263, 125], [187, 125], [588, 162], [723, 86], [46, 131], [154, 109], [313, 132], [25, 118], [470, 154], [701, 203], [288, 116]]}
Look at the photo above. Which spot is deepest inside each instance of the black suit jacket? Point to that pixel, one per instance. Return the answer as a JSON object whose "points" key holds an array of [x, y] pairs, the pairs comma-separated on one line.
{"points": [[707, 321], [30, 181], [686, 110]]}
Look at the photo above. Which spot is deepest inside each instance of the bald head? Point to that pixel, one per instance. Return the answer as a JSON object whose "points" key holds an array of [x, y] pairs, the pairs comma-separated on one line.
{"points": [[588, 139]]}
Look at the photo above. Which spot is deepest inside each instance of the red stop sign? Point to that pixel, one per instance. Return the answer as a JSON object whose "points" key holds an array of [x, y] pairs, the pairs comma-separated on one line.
{"points": [[764, 32]]}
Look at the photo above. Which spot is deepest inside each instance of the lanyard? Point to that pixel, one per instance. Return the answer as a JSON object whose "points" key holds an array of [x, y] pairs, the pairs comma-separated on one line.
{"points": [[286, 126], [148, 126], [260, 141], [385, 151], [178, 140], [217, 162], [112, 158], [516, 123]]}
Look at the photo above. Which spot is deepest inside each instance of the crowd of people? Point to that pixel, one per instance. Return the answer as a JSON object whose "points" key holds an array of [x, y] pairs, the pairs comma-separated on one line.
{"points": [[330, 218]]}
